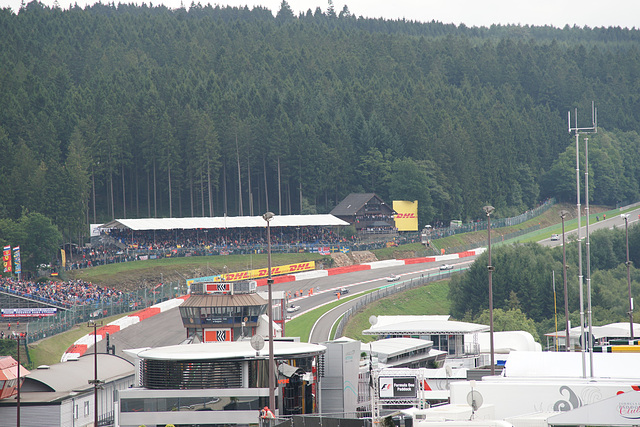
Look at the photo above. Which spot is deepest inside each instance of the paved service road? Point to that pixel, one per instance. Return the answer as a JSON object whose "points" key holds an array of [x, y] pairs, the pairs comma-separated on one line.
{"points": [[614, 221]]}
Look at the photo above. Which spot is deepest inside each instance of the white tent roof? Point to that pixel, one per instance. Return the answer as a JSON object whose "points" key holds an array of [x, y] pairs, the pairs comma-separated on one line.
{"points": [[422, 325], [508, 341], [552, 364], [225, 350], [223, 222], [612, 330], [395, 346]]}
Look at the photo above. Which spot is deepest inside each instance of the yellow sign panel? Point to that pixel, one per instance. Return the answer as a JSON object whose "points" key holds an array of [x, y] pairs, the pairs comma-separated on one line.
{"points": [[257, 274], [406, 215]]}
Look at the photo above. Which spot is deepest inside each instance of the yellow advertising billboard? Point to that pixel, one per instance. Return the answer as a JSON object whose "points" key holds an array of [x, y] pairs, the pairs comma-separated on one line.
{"points": [[406, 215], [256, 274]]}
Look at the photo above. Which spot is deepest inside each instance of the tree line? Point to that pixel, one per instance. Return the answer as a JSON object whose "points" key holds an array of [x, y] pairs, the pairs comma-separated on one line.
{"points": [[524, 280], [137, 111]]}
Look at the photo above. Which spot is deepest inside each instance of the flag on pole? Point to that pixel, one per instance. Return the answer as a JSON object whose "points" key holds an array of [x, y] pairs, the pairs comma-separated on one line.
{"points": [[16, 260], [6, 258]]}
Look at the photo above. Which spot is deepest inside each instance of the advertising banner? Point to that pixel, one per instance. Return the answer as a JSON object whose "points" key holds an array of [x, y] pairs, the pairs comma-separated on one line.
{"points": [[214, 335], [406, 215], [63, 258], [94, 231], [28, 312], [6, 259], [256, 274], [217, 288], [398, 388], [17, 263]]}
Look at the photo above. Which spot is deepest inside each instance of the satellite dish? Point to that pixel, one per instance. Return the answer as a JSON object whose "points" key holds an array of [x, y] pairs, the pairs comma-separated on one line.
{"points": [[257, 342], [474, 399], [449, 371], [373, 320]]}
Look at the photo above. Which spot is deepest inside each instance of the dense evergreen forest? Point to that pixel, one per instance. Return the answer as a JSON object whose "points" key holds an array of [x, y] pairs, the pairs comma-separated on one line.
{"points": [[135, 111]]}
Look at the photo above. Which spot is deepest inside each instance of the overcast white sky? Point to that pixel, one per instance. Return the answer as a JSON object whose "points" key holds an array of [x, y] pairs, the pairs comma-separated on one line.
{"points": [[593, 13]]}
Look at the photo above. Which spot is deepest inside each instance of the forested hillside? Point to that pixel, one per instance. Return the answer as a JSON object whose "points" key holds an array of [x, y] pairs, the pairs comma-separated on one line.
{"points": [[523, 279], [126, 111]]}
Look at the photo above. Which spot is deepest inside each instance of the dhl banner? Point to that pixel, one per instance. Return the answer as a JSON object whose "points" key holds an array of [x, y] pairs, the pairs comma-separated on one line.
{"points": [[407, 215], [256, 274], [63, 258], [6, 258], [16, 260]]}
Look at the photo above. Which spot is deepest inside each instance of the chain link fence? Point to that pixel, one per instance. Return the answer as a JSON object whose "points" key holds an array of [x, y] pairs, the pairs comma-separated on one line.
{"points": [[438, 233], [64, 320], [495, 239]]}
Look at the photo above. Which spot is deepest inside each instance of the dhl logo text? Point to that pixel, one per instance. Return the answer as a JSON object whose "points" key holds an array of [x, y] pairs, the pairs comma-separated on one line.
{"points": [[263, 272], [405, 215]]}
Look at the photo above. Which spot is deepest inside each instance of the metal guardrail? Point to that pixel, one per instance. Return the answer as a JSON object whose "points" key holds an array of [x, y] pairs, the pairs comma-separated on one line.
{"points": [[388, 290]]}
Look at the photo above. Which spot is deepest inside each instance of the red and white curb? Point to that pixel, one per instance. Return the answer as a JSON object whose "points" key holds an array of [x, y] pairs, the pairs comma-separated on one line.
{"points": [[315, 274], [81, 345]]}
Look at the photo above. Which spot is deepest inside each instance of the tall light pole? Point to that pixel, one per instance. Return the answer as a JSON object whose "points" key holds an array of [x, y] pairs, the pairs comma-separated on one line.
{"points": [[95, 381], [578, 131], [272, 397], [19, 337], [588, 246], [489, 210], [628, 263], [563, 214]]}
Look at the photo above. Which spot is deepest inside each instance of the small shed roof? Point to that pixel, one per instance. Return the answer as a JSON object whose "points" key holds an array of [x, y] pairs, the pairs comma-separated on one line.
{"points": [[142, 224], [224, 300], [9, 369]]}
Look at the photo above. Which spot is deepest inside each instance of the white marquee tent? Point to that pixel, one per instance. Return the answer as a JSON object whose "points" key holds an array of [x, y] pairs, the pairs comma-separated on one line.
{"points": [[222, 222]]}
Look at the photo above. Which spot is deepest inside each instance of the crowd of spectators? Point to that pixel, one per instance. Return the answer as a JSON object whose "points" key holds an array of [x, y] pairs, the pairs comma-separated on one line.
{"points": [[224, 238], [67, 293]]}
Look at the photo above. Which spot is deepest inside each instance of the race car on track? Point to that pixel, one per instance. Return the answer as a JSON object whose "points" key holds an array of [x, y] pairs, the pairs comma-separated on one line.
{"points": [[293, 308]]}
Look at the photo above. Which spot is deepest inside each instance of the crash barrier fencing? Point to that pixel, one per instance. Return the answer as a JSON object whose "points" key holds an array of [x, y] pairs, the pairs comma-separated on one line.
{"points": [[388, 290]]}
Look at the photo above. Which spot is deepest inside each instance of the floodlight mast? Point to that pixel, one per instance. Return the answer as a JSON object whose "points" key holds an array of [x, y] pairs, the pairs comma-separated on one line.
{"points": [[578, 131]]}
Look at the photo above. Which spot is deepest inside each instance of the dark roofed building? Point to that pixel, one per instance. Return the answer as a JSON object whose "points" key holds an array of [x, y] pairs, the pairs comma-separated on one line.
{"points": [[368, 212]]}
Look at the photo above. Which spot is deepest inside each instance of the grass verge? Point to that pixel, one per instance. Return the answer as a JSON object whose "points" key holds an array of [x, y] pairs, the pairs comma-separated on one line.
{"points": [[302, 324], [48, 351], [131, 275], [432, 298]]}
